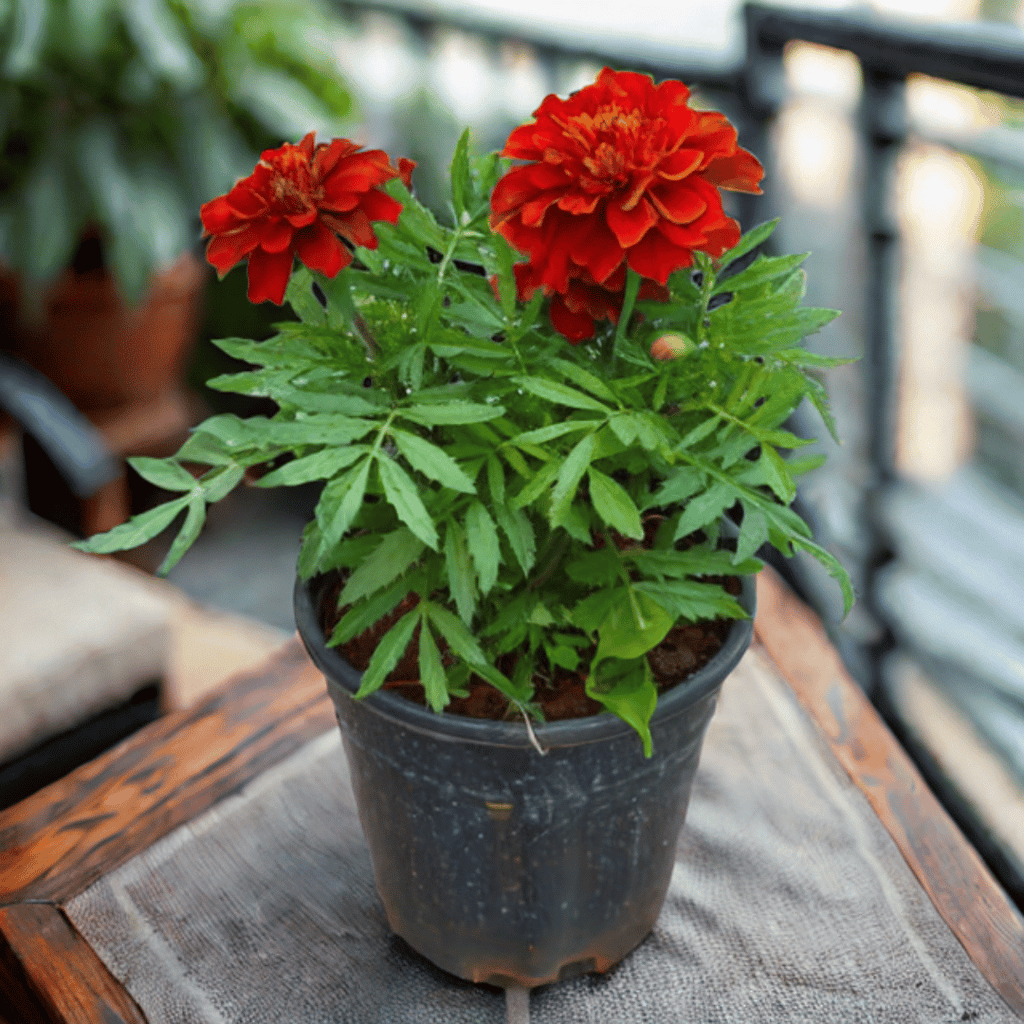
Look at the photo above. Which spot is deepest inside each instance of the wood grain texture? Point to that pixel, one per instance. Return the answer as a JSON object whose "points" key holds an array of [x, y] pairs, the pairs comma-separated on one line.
{"points": [[52, 976], [951, 872], [60, 840]]}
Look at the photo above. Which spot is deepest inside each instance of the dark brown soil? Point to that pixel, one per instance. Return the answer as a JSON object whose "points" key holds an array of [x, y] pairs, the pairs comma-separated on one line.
{"points": [[684, 650]]}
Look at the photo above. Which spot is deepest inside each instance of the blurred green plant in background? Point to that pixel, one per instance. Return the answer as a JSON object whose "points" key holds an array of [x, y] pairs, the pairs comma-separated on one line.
{"points": [[119, 117]]}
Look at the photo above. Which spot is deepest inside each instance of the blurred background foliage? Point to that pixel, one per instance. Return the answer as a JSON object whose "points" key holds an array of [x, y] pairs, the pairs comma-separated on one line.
{"points": [[120, 117]]}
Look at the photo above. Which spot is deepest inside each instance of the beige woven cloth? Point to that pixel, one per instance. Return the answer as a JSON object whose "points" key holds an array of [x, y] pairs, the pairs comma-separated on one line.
{"points": [[789, 903]]}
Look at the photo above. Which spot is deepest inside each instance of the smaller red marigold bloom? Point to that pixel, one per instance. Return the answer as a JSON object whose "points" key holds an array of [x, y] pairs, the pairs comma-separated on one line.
{"points": [[622, 172], [297, 202], [574, 312]]}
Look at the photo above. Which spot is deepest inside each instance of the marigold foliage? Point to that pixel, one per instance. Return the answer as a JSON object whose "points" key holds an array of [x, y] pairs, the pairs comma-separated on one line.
{"points": [[472, 457]]}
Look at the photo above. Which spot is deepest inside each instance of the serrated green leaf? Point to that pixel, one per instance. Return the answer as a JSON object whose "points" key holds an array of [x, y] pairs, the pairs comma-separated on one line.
{"points": [[682, 484], [462, 187], [705, 508], [569, 476], [777, 475], [165, 473], [461, 579], [321, 465], [761, 271], [834, 567], [750, 241], [432, 674], [432, 462], [614, 505], [136, 531], [450, 414], [189, 531], [549, 433], [632, 628], [560, 394], [392, 557], [584, 379], [517, 527], [699, 432], [691, 600], [496, 481], [624, 428], [401, 494], [458, 637], [537, 485], [339, 503], [388, 653], [753, 533], [362, 616], [482, 539]]}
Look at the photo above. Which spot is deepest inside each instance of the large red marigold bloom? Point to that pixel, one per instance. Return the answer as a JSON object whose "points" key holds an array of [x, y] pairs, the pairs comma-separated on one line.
{"points": [[297, 202], [622, 173]]}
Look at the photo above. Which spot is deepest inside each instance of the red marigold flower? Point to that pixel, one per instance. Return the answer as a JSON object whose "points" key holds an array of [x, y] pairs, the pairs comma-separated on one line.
{"points": [[584, 301], [297, 202], [622, 172]]}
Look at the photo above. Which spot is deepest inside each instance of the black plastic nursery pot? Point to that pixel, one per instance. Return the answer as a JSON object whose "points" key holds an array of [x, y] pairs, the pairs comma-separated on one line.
{"points": [[502, 865]]}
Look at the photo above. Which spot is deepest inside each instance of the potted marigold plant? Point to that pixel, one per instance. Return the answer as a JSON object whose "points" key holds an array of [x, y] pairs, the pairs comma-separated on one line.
{"points": [[530, 425]]}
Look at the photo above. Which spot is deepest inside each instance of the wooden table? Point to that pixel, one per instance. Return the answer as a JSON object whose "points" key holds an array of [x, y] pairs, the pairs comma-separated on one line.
{"points": [[158, 790]]}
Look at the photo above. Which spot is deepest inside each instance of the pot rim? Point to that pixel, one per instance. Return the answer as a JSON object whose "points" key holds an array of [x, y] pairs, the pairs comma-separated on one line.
{"points": [[564, 733]]}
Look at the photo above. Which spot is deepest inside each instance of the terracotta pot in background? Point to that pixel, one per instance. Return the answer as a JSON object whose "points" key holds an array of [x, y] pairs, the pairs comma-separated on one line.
{"points": [[99, 352]]}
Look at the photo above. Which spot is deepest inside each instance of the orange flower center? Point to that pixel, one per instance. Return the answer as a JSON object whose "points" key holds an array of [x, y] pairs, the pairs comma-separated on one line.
{"points": [[291, 185], [618, 146]]}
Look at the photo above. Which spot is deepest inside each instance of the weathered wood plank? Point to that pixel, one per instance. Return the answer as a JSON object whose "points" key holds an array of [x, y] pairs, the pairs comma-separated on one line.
{"points": [[60, 840], [951, 872], [50, 975]]}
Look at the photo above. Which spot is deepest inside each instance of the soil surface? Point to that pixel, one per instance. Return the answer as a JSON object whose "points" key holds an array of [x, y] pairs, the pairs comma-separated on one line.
{"points": [[684, 650]]}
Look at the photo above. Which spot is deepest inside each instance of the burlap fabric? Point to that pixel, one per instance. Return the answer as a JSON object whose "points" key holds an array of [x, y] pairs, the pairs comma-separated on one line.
{"points": [[789, 903]]}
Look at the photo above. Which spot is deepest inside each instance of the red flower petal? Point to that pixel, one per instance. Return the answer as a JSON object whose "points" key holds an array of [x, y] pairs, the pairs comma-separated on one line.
{"points": [[678, 201], [354, 226], [575, 327], [225, 251], [740, 172], [268, 275], [631, 225], [680, 163], [654, 256], [379, 205], [405, 169], [275, 235], [319, 249]]}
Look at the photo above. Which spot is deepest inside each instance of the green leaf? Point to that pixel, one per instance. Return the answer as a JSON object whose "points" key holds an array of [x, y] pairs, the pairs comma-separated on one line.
{"points": [[362, 616], [461, 579], [584, 379], [321, 465], [692, 601], [459, 638], [560, 394], [482, 538], [395, 553], [761, 271], [432, 674], [629, 630], [549, 433], [682, 484], [834, 567], [190, 530], [388, 653], [218, 483], [705, 508], [753, 533], [625, 688], [450, 414], [537, 485], [136, 531], [750, 241], [776, 474], [614, 505], [462, 186], [165, 473], [431, 461], [569, 476], [496, 481], [339, 503], [517, 527], [401, 494]]}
